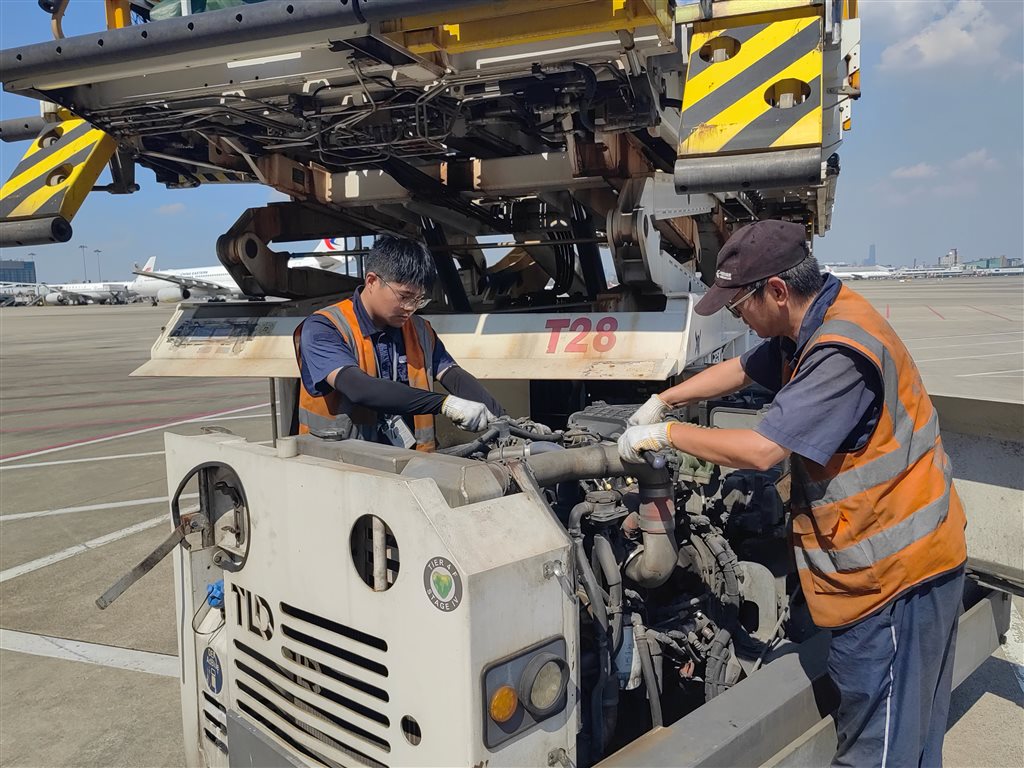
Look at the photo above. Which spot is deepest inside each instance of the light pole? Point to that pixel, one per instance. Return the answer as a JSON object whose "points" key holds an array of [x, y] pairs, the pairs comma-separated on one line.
{"points": [[99, 269], [31, 257], [85, 269]]}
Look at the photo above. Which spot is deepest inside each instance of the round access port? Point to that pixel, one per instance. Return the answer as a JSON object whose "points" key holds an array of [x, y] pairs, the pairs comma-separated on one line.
{"points": [[719, 49], [59, 175], [788, 93], [374, 552]]}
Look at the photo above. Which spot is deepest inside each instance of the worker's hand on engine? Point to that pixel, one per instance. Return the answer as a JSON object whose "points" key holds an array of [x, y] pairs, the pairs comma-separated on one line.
{"points": [[644, 437], [467, 414], [651, 412]]}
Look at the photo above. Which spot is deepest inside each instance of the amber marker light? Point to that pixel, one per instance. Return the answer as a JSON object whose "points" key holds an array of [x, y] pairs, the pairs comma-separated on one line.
{"points": [[504, 702]]}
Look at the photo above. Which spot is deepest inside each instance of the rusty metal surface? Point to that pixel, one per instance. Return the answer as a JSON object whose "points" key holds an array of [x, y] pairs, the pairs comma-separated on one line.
{"points": [[255, 340]]}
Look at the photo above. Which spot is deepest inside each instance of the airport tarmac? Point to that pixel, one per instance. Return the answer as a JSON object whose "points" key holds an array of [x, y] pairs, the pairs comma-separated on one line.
{"points": [[83, 498]]}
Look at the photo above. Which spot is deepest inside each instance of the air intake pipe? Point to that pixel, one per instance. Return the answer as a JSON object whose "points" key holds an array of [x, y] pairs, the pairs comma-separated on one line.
{"points": [[652, 564]]}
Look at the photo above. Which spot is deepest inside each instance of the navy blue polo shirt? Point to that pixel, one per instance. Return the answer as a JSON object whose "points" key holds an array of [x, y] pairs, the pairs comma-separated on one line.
{"points": [[832, 403], [324, 350]]}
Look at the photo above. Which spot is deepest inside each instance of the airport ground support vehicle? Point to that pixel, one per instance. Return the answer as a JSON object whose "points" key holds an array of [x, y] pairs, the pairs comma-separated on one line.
{"points": [[519, 597]]}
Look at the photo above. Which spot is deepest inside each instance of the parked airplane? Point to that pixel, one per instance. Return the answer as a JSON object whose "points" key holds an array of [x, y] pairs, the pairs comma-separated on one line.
{"points": [[84, 293], [859, 273], [213, 283]]}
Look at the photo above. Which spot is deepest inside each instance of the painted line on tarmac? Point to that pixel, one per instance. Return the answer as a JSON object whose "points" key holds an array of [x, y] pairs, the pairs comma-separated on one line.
{"points": [[989, 313], [235, 418], [77, 425], [965, 336], [968, 357], [90, 653], [79, 461], [132, 433], [35, 464], [934, 312], [969, 344], [91, 507], [77, 549], [994, 374]]}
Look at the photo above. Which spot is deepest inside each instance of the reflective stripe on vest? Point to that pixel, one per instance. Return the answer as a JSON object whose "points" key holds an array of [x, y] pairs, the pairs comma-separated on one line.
{"points": [[333, 414], [915, 443], [873, 522]]}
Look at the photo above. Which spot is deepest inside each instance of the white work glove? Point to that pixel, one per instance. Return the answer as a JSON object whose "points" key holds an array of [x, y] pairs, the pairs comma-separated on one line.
{"points": [[644, 437], [467, 414], [651, 412]]}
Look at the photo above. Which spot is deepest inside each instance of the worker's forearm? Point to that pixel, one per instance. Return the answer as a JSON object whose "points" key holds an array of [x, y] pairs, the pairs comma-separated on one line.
{"points": [[386, 396], [737, 448], [722, 379], [462, 383]]}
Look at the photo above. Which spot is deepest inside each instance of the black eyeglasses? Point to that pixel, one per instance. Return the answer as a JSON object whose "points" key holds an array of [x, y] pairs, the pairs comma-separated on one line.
{"points": [[733, 305]]}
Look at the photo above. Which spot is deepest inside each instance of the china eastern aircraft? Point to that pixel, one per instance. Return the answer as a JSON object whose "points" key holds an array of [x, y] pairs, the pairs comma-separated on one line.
{"points": [[859, 273], [174, 285]]}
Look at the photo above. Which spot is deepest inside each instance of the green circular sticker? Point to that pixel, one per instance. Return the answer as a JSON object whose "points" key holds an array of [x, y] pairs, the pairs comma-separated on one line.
{"points": [[443, 584]]}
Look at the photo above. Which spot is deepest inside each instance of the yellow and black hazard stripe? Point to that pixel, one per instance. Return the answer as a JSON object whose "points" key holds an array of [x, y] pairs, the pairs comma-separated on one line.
{"points": [[57, 171], [760, 91], [223, 177]]}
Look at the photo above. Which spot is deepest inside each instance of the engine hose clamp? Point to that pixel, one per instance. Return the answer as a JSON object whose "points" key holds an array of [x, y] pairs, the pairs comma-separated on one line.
{"points": [[652, 492]]}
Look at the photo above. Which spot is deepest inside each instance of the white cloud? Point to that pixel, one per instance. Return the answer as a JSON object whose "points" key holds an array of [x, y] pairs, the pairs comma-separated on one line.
{"points": [[893, 19], [919, 171], [978, 160], [171, 209], [965, 35]]}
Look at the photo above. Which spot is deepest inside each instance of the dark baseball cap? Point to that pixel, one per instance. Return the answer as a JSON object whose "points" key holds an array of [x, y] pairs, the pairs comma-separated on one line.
{"points": [[759, 250]]}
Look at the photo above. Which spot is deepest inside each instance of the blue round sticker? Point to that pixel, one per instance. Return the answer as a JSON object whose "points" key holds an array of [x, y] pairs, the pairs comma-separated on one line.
{"points": [[212, 671]]}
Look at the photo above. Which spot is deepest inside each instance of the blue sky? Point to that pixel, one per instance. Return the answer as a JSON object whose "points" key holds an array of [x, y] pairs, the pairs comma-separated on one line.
{"points": [[935, 159]]}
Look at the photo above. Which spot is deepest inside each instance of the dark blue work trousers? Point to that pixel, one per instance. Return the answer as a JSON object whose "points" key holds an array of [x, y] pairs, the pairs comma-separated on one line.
{"points": [[894, 672]]}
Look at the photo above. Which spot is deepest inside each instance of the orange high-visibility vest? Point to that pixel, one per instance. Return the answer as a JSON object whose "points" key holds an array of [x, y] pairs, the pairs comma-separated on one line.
{"points": [[872, 523], [334, 415]]}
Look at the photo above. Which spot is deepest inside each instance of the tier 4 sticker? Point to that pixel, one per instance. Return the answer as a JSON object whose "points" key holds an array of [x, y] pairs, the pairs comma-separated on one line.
{"points": [[443, 584]]}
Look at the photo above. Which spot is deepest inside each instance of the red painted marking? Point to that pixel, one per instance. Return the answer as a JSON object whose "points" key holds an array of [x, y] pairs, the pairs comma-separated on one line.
{"points": [[116, 434], [886, 311], [990, 313], [934, 312]]}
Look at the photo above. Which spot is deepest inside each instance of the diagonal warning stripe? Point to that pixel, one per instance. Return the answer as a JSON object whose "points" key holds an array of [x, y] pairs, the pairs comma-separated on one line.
{"points": [[729, 105], [57, 172]]}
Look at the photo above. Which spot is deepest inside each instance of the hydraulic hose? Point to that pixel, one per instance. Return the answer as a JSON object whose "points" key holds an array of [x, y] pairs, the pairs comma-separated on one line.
{"points": [[468, 449], [605, 559], [647, 668], [597, 606]]}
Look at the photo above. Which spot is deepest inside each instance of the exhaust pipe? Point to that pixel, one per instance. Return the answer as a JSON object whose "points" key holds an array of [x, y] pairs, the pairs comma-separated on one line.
{"points": [[653, 563]]}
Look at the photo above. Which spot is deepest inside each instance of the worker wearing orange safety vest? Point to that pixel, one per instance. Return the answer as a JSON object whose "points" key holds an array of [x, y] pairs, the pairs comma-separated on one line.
{"points": [[368, 363], [877, 527]]}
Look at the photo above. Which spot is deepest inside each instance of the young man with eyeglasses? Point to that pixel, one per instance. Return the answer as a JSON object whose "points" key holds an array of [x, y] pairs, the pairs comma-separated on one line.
{"points": [[368, 363], [877, 527]]}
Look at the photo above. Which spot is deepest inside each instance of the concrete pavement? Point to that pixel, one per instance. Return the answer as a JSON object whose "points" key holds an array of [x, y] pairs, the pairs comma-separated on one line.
{"points": [[81, 462]]}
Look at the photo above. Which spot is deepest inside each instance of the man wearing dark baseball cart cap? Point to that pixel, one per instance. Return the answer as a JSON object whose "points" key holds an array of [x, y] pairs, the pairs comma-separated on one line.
{"points": [[877, 527]]}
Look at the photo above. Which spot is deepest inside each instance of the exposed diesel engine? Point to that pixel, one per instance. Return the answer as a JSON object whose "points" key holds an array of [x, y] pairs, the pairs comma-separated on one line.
{"points": [[680, 569]]}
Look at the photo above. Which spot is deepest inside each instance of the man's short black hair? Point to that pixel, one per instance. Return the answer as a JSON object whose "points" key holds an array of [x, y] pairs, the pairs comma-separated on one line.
{"points": [[400, 260], [804, 280]]}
